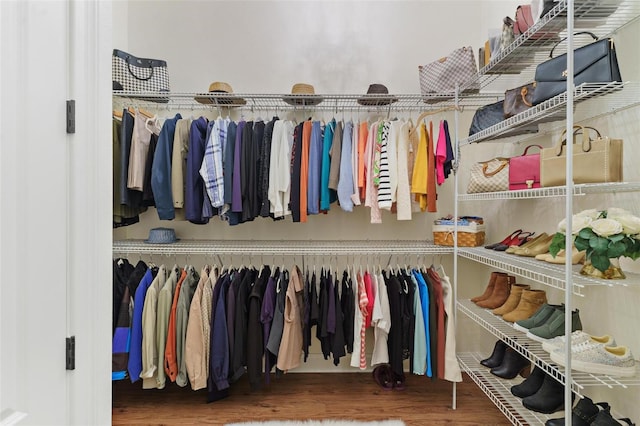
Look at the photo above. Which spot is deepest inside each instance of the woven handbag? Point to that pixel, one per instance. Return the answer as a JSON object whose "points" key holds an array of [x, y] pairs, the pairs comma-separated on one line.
{"points": [[489, 176], [140, 74], [441, 76]]}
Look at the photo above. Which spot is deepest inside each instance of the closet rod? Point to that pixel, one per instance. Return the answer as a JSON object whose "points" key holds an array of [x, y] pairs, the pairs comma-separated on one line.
{"points": [[318, 248]]}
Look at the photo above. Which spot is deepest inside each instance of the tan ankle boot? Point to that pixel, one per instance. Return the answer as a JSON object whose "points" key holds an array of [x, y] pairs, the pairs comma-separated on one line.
{"points": [[513, 300], [500, 292], [489, 289], [530, 302]]}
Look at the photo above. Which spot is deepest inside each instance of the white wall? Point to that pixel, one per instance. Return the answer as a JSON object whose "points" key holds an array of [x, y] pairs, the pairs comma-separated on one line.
{"points": [[342, 47]]}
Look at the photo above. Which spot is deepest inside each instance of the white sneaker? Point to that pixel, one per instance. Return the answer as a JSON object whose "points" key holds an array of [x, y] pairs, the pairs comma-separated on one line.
{"points": [[599, 359], [577, 337]]}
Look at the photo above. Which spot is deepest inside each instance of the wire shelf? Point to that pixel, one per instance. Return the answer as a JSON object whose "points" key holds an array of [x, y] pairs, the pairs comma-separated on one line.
{"points": [[540, 271], [554, 191], [499, 391], [278, 102], [533, 350], [601, 17], [289, 248], [553, 109]]}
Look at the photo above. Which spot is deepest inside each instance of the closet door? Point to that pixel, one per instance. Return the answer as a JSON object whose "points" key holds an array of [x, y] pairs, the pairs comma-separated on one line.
{"points": [[55, 260]]}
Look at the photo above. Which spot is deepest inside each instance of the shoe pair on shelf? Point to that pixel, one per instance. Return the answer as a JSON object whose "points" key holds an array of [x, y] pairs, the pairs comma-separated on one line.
{"points": [[536, 246], [521, 303], [560, 258], [586, 413], [515, 239], [497, 291], [548, 322], [597, 355], [505, 362], [540, 392]]}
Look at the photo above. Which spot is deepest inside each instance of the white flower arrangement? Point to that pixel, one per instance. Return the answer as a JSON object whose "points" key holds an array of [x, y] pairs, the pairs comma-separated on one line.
{"points": [[603, 234]]}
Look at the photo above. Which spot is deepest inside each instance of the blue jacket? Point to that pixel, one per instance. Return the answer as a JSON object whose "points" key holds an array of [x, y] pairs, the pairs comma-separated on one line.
{"points": [[194, 185], [219, 354], [161, 170], [424, 299], [135, 352]]}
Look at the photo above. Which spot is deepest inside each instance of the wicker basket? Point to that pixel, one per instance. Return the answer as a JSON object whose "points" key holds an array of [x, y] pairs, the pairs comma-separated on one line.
{"points": [[468, 236]]}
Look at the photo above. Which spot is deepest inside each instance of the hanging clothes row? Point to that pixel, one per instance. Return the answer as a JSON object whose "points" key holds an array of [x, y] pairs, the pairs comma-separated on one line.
{"points": [[210, 328], [197, 169]]}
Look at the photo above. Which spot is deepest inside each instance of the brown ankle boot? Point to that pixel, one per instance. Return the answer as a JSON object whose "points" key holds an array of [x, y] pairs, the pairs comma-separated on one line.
{"points": [[530, 302], [500, 292], [489, 289], [513, 300]]}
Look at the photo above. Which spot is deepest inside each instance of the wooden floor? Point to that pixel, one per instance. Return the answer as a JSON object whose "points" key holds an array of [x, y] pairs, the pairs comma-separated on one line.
{"points": [[301, 396]]}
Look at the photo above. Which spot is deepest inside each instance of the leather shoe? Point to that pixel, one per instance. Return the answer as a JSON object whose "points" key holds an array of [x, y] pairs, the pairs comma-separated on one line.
{"points": [[604, 418], [489, 289], [512, 364], [500, 292], [583, 414], [530, 242], [506, 241], [496, 356], [518, 241], [549, 398], [530, 385]]}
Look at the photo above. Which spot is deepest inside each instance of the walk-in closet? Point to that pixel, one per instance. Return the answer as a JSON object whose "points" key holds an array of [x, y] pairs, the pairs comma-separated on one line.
{"points": [[235, 211]]}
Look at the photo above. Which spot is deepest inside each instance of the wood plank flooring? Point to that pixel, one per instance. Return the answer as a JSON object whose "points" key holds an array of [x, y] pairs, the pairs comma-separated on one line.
{"points": [[301, 396]]}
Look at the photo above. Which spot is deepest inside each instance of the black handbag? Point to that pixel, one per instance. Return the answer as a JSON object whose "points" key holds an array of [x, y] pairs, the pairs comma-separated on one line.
{"points": [[492, 114], [594, 63]]}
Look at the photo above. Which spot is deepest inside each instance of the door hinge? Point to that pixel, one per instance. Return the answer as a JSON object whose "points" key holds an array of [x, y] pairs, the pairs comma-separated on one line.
{"points": [[71, 116], [71, 353]]}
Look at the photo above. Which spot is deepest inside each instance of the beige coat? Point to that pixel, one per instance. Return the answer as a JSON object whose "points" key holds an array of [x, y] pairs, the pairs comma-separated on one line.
{"points": [[290, 350], [149, 372], [194, 342]]}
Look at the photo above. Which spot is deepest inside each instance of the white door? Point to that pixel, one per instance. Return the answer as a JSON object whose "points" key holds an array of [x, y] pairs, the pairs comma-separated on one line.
{"points": [[55, 213]]}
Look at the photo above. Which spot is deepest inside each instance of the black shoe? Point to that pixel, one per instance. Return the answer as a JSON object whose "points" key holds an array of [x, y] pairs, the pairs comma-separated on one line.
{"points": [[583, 414], [496, 357], [549, 398], [512, 364], [530, 385], [604, 418]]}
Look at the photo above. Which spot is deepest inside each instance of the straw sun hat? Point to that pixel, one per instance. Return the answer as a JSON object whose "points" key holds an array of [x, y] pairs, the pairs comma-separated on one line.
{"points": [[302, 94], [216, 88]]}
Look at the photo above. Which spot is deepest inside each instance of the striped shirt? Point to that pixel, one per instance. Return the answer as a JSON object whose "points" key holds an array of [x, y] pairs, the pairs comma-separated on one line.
{"points": [[212, 170]]}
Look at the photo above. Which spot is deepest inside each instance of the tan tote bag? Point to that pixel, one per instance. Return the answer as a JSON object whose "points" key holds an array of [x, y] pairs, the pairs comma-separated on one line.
{"points": [[596, 160]]}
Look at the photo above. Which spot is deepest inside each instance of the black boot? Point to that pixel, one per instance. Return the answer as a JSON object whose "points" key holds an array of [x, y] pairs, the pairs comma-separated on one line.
{"points": [[530, 385], [604, 418], [583, 414], [549, 398], [512, 364], [496, 357]]}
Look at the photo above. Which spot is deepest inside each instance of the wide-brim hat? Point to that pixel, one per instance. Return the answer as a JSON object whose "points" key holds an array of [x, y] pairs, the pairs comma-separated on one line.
{"points": [[220, 87], [162, 236], [302, 94], [377, 94]]}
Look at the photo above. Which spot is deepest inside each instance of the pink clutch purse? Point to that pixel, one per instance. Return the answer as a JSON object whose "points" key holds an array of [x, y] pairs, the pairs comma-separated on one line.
{"points": [[524, 170]]}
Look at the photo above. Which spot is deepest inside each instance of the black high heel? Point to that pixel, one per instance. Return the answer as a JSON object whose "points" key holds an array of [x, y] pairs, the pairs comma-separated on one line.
{"points": [[512, 365], [496, 356]]}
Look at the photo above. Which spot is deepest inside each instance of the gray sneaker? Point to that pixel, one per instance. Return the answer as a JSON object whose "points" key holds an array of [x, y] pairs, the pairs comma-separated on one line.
{"points": [[554, 326]]}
